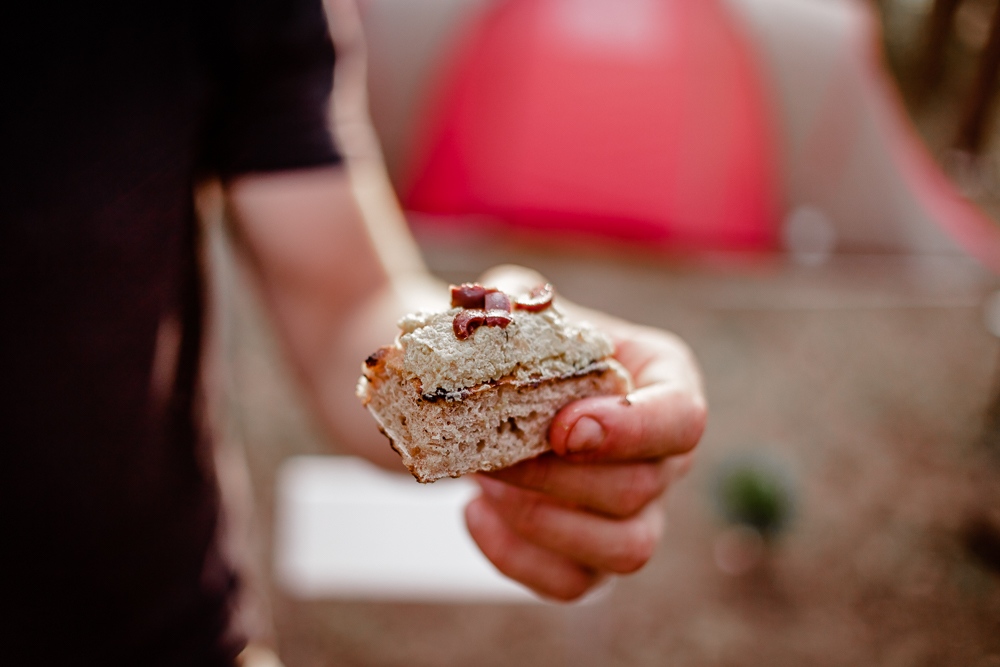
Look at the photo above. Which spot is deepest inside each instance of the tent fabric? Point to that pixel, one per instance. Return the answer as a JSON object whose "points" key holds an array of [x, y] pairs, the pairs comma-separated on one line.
{"points": [[639, 120]]}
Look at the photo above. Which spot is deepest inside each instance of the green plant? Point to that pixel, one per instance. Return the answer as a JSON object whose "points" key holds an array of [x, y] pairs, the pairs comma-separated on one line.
{"points": [[755, 493]]}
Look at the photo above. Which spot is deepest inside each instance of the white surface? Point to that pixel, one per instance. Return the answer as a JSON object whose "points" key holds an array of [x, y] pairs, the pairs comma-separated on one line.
{"points": [[346, 529], [991, 313]]}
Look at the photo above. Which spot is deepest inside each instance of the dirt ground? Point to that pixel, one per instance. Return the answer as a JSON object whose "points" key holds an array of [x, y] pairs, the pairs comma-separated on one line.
{"points": [[866, 382]]}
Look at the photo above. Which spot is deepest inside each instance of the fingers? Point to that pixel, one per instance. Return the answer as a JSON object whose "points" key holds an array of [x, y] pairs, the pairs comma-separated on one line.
{"points": [[664, 417], [600, 543], [680, 465], [656, 357], [548, 574], [669, 412], [656, 421], [616, 489]]}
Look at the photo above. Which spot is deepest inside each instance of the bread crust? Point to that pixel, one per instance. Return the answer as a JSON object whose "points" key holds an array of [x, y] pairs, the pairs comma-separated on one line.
{"points": [[486, 427]]}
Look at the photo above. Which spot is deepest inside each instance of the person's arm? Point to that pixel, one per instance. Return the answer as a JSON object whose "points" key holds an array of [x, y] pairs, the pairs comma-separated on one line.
{"points": [[332, 298], [558, 523]]}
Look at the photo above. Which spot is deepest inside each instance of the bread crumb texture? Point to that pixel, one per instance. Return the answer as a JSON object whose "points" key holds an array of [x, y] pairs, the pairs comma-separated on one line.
{"points": [[535, 346], [450, 406]]}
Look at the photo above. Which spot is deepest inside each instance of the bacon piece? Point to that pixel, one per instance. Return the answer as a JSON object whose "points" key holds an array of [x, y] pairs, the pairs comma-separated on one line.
{"points": [[470, 295], [498, 318], [497, 301], [467, 321], [538, 300], [480, 305]]}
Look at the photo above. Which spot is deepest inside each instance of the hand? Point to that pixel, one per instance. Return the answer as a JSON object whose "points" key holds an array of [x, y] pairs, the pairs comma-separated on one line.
{"points": [[562, 522]]}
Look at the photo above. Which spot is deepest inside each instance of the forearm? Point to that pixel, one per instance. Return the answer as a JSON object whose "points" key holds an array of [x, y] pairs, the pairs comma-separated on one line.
{"points": [[331, 374], [332, 297]]}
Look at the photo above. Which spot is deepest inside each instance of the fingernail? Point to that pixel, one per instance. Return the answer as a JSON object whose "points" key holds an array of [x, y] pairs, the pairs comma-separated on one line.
{"points": [[587, 435]]}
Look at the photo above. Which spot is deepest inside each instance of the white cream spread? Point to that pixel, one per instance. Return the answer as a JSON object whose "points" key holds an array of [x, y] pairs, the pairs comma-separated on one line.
{"points": [[535, 346]]}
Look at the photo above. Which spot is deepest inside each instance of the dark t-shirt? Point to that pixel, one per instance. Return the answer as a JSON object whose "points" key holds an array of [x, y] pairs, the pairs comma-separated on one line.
{"points": [[113, 111]]}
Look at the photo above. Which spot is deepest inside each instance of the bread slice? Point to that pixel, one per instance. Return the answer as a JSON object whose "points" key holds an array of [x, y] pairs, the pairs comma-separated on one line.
{"points": [[486, 427]]}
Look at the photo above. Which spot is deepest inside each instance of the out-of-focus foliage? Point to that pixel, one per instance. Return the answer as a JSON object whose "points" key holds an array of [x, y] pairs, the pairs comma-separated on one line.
{"points": [[757, 493]]}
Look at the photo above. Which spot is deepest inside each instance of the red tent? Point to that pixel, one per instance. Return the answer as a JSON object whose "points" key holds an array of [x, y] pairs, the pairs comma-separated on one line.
{"points": [[642, 120]]}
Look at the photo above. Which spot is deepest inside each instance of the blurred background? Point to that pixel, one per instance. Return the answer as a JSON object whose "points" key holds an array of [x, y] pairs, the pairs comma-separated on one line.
{"points": [[807, 191]]}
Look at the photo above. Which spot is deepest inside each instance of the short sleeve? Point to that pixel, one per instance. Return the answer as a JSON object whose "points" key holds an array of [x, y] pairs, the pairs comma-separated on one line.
{"points": [[271, 62]]}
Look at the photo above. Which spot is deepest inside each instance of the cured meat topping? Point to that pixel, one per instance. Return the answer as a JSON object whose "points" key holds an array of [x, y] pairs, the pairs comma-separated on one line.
{"points": [[537, 300], [490, 307]]}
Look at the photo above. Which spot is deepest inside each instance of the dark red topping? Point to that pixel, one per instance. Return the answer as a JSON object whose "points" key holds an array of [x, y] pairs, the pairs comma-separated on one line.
{"points": [[482, 306], [497, 301], [467, 321], [376, 357], [498, 318], [538, 300], [470, 295]]}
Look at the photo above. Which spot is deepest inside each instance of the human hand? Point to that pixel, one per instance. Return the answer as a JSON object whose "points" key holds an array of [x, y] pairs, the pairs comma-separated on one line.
{"points": [[562, 522]]}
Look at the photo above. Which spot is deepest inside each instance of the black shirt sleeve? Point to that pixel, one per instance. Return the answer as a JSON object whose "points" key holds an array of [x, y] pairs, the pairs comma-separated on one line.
{"points": [[272, 62]]}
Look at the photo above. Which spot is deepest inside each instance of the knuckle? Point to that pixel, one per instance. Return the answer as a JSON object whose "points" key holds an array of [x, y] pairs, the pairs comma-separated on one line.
{"points": [[696, 418], [500, 556], [527, 517], [503, 553], [537, 473], [573, 586], [637, 548], [643, 483], [533, 474], [498, 549], [678, 466]]}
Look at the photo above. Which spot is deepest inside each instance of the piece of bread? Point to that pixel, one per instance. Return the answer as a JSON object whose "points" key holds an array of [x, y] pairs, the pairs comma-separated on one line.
{"points": [[451, 405]]}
